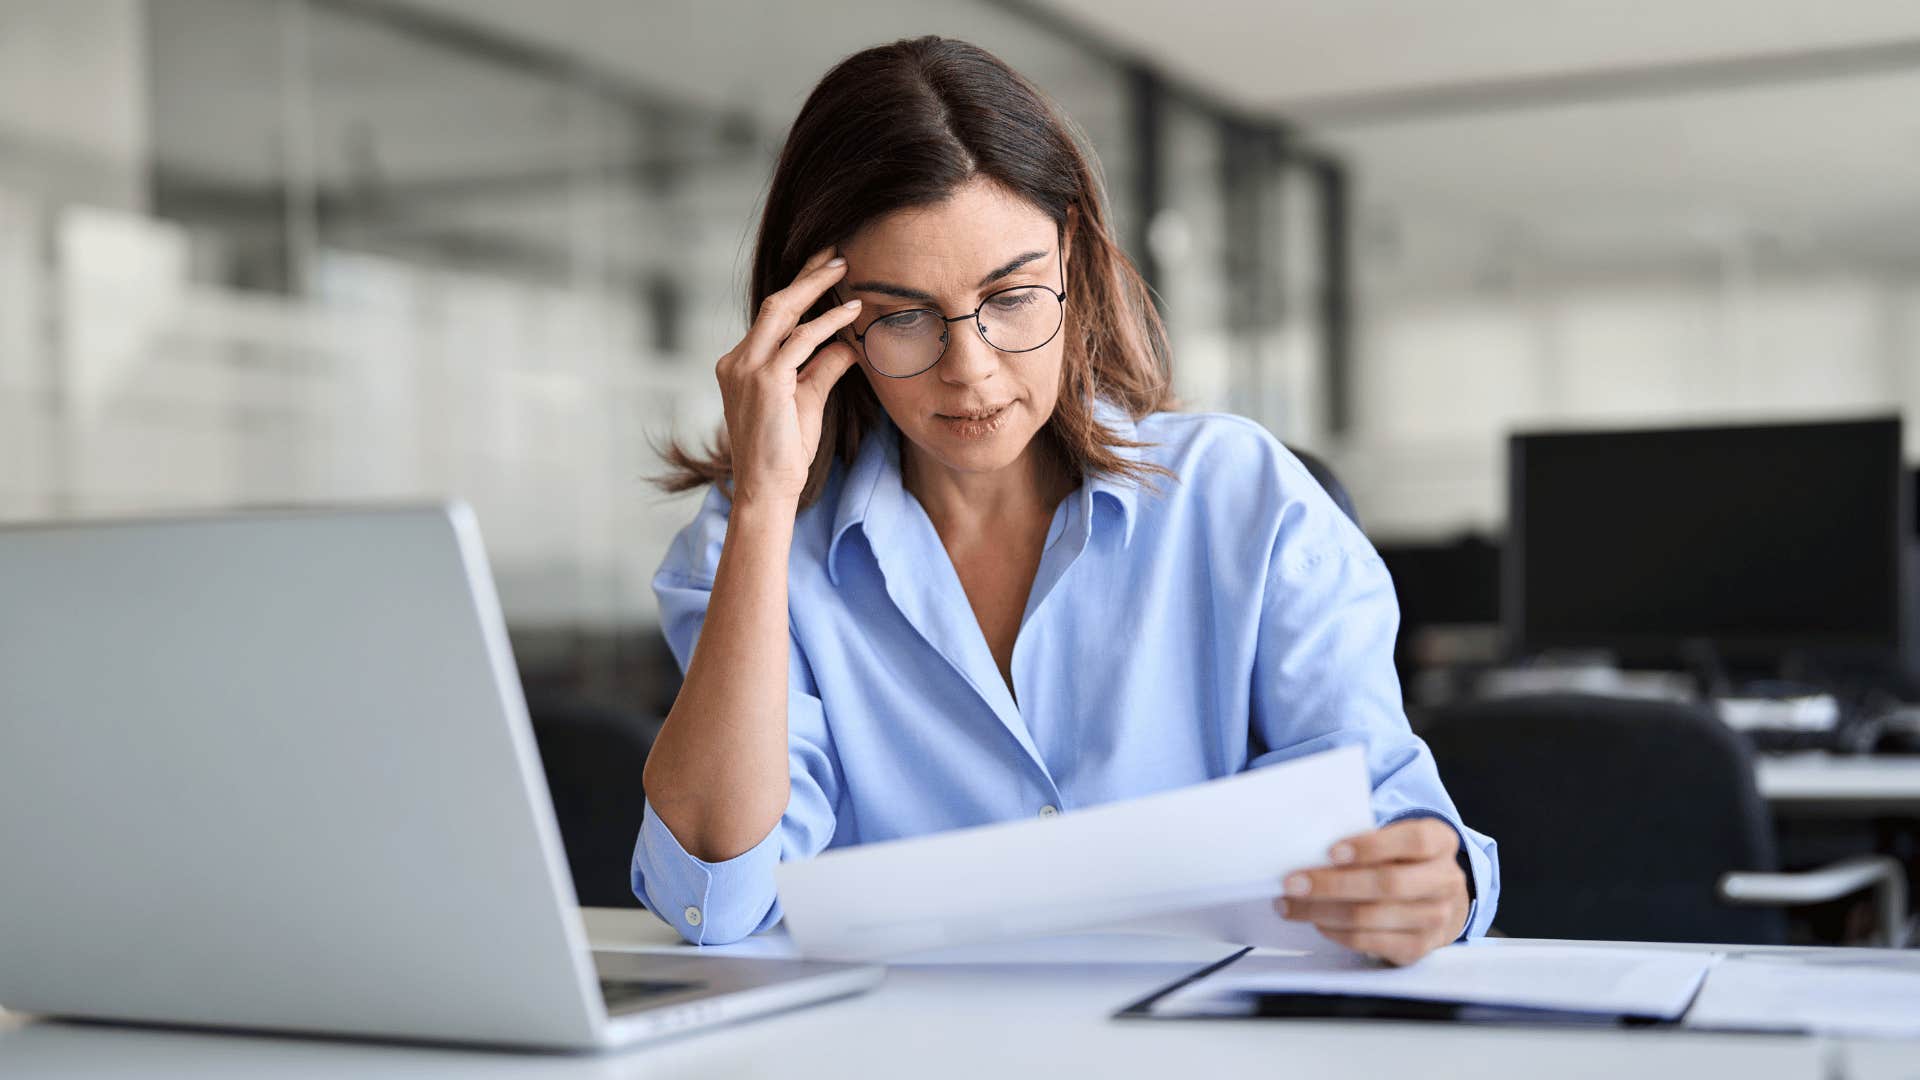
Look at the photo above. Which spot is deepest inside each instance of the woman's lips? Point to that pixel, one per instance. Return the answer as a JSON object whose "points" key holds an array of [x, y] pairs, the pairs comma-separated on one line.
{"points": [[976, 426], [981, 414]]}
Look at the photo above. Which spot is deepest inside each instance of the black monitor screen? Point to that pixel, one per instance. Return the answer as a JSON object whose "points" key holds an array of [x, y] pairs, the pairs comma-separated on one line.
{"points": [[1758, 539]]}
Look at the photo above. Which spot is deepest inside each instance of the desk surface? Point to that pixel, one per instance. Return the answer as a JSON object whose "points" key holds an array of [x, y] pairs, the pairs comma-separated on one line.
{"points": [[1886, 779], [994, 1014]]}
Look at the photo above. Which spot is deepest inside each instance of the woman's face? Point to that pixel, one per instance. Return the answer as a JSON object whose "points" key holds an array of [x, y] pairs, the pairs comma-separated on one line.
{"points": [[949, 257]]}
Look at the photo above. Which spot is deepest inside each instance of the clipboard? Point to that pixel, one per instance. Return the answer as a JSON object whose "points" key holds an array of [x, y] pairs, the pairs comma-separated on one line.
{"points": [[1310, 1006]]}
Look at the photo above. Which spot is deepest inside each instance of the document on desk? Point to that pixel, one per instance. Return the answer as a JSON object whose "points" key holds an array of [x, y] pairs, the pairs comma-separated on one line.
{"points": [[1211, 855], [1875, 995], [1596, 980]]}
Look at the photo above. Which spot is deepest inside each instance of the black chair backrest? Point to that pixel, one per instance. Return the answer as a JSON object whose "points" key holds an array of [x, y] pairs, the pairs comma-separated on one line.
{"points": [[1324, 474], [1614, 818], [593, 756]]}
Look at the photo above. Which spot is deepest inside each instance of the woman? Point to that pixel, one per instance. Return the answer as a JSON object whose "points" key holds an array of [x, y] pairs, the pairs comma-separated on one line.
{"points": [[994, 575]]}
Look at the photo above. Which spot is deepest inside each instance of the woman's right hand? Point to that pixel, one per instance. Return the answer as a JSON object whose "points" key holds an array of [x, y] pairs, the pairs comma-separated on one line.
{"points": [[773, 408]]}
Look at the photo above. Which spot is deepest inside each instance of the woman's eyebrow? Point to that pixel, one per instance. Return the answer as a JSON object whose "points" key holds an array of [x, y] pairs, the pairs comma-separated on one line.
{"points": [[1010, 266], [888, 288]]}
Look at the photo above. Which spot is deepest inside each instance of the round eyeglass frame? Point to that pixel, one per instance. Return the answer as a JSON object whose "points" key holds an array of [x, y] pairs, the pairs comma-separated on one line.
{"points": [[1059, 294]]}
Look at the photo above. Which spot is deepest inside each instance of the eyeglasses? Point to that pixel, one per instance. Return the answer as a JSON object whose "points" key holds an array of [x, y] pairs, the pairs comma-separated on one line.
{"points": [[1017, 320]]}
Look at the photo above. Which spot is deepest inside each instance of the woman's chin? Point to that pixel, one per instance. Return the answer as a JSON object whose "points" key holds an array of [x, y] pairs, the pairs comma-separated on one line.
{"points": [[986, 455]]}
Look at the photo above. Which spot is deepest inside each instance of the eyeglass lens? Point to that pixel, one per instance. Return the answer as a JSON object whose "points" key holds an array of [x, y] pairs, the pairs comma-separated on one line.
{"points": [[1013, 320]]}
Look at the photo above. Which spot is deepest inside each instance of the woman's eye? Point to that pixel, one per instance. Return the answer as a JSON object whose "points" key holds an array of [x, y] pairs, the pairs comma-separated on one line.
{"points": [[905, 322], [1011, 301]]}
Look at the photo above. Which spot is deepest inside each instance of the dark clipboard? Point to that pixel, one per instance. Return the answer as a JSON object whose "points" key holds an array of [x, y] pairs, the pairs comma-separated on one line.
{"points": [[1295, 1006]]}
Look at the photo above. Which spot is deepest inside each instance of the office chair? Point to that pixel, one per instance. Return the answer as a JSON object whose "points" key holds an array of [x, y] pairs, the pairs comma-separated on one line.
{"points": [[1633, 820], [1331, 483], [593, 756]]}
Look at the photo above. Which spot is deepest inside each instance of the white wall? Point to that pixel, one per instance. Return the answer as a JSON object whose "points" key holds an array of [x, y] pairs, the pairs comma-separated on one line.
{"points": [[1444, 373], [73, 78], [128, 387], [73, 91]]}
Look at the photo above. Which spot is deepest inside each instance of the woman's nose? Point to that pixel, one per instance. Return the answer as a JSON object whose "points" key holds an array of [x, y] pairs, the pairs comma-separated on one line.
{"points": [[969, 357]]}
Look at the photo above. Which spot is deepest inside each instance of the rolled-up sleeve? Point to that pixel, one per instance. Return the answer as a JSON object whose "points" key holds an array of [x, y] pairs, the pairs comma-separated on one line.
{"points": [[1324, 677], [713, 903]]}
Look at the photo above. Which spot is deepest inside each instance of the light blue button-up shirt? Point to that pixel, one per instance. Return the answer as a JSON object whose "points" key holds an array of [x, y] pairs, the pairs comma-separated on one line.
{"points": [[1234, 618]]}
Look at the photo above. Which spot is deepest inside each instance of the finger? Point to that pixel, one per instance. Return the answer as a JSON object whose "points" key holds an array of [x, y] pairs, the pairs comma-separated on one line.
{"points": [[1427, 916], [1410, 841], [1386, 881], [1396, 947], [815, 260], [749, 345], [808, 336], [781, 311], [818, 377]]}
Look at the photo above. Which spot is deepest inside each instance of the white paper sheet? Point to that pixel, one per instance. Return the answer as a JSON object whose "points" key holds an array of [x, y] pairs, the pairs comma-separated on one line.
{"points": [[1633, 982], [1244, 922], [1211, 846], [1836, 998]]}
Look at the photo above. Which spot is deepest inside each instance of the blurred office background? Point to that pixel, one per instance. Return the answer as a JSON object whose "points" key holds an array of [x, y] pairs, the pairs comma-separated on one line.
{"points": [[286, 251], [271, 251]]}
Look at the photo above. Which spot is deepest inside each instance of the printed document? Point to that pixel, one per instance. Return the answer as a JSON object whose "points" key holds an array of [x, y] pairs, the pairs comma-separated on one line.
{"points": [[1207, 859]]}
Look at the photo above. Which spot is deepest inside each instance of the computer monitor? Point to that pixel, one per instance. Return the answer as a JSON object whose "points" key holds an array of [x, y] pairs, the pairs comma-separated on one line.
{"points": [[1757, 540], [1451, 583], [1914, 505]]}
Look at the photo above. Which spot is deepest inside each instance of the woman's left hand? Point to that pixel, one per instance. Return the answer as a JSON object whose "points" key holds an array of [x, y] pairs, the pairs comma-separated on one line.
{"points": [[1397, 892]]}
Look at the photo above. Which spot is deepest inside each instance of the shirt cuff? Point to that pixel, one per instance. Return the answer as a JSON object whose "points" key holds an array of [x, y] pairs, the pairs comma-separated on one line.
{"points": [[710, 903], [1481, 885]]}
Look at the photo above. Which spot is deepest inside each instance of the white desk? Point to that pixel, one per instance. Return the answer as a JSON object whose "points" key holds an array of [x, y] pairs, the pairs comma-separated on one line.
{"points": [[981, 1019], [1859, 783]]}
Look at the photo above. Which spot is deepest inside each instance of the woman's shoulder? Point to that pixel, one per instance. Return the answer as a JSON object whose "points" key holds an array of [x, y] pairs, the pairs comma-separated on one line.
{"points": [[1218, 446], [694, 554], [1231, 469]]}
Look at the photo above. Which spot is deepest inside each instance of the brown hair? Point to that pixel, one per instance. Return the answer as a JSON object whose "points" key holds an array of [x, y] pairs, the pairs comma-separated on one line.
{"points": [[904, 125]]}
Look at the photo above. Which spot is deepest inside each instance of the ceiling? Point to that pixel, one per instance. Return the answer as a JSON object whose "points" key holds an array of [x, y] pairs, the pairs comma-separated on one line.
{"points": [[1819, 170], [1604, 134], [1299, 56], [1600, 130], [757, 56], [1602, 127]]}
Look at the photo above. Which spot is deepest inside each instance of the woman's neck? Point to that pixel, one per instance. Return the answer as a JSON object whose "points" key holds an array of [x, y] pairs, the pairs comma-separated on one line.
{"points": [[965, 505]]}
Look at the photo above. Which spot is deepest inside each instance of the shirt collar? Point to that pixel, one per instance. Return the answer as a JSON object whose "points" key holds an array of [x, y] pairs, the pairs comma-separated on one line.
{"points": [[872, 494], [1124, 493]]}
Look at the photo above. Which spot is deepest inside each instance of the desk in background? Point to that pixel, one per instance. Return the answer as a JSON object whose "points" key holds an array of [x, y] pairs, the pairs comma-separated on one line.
{"points": [[1856, 784]]}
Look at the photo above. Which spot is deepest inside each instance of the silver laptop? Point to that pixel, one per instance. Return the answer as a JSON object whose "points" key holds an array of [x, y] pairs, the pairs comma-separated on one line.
{"points": [[274, 771]]}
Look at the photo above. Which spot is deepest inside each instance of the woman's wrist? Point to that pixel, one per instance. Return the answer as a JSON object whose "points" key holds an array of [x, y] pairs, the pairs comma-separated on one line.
{"points": [[763, 506]]}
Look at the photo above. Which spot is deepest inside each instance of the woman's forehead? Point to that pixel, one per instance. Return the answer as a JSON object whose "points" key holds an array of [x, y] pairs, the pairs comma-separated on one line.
{"points": [[970, 234]]}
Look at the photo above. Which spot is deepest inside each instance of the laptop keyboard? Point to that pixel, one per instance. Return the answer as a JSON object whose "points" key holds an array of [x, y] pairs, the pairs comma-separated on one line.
{"points": [[632, 995]]}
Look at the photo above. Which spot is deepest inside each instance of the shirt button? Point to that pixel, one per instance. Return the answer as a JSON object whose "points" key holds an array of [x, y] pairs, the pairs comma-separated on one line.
{"points": [[1049, 810], [692, 915]]}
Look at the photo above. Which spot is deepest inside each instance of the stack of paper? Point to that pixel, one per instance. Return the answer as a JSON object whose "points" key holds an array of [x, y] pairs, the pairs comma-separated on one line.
{"points": [[1875, 994], [1207, 859], [1596, 980]]}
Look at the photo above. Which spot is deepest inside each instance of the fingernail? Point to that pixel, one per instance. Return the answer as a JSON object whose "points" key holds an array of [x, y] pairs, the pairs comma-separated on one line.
{"points": [[1298, 885], [1342, 853], [851, 304], [837, 261]]}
